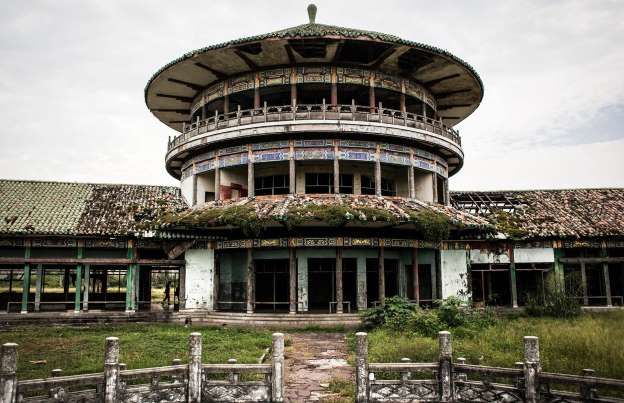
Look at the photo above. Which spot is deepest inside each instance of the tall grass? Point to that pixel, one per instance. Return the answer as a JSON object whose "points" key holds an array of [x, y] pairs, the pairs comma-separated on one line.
{"points": [[81, 349], [594, 340]]}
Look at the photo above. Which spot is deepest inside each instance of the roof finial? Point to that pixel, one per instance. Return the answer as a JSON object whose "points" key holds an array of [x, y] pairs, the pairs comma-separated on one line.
{"points": [[312, 12]]}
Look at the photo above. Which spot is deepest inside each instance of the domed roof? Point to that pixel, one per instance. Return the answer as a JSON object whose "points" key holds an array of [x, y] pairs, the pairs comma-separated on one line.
{"points": [[455, 84]]}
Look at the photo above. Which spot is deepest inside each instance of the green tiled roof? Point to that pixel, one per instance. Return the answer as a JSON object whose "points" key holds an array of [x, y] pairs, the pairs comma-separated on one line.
{"points": [[57, 208], [313, 30]]}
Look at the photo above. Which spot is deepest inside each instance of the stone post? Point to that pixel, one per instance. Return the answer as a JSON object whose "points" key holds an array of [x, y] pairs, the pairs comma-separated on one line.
{"points": [[531, 369], [445, 367], [111, 370], [405, 375], [588, 393], [361, 368], [233, 375], [8, 371], [194, 368], [277, 370]]}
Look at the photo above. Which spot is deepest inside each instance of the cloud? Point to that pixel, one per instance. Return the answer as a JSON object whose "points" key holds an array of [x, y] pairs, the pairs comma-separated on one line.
{"points": [[73, 73]]}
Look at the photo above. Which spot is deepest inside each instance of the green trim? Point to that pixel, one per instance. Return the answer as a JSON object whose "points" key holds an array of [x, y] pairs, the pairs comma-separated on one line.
{"points": [[78, 293], [130, 300], [26, 281], [320, 30]]}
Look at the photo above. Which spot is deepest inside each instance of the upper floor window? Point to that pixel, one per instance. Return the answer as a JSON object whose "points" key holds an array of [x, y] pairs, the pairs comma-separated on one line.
{"points": [[324, 183], [388, 187], [271, 185], [319, 182]]}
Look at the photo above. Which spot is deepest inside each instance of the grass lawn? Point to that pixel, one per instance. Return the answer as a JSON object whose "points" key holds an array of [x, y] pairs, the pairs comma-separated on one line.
{"points": [[595, 340], [81, 349]]}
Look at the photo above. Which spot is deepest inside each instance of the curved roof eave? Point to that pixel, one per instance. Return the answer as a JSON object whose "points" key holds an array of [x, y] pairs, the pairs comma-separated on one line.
{"points": [[319, 30]]}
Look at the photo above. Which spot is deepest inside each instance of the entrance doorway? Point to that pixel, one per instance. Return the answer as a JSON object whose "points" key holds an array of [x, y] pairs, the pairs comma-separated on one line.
{"points": [[272, 285], [321, 283], [391, 279]]}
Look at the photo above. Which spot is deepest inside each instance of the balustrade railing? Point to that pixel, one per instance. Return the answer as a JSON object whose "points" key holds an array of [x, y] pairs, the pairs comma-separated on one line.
{"points": [[449, 381], [193, 382], [350, 112]]}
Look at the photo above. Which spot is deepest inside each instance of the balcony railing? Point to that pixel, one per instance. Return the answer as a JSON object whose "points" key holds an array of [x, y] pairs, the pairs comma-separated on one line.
{"points": [[298, 112]]}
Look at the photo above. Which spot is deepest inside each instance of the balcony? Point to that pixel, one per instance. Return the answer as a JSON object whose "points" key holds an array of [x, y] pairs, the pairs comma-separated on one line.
{"points": [[314, 112]]}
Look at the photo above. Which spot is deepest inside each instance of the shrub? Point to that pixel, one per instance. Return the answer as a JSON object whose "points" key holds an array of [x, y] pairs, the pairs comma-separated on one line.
{"points": [[400, 315], [396, 314], [556, 304], [433, 226]]}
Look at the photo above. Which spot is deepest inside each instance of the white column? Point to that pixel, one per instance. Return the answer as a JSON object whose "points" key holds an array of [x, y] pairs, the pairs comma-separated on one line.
{"points": [[454, 273], [199, 279]]}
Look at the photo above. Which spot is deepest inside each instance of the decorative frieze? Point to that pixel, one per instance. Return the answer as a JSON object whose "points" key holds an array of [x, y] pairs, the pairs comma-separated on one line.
{"points": [[314, 74], [275, 77], [53, 243]]}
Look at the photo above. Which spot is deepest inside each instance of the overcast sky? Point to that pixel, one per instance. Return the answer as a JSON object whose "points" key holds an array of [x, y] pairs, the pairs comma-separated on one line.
{"points": [[72, 74]]}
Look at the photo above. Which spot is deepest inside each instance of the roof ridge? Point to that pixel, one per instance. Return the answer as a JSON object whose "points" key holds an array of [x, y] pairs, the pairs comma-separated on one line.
{"points": [[536, 190], [86, 183]]}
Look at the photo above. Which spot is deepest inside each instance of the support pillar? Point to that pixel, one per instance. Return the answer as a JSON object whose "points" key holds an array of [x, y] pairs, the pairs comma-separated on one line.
{"points": [[256, 98], [558, 270], [435, 187], [339, 308], [434, 282], [250, 281], [302, 284], [584, 284], [378, 172], [361, 283], [415, 279], [78, 293], [38, 287], [411, 182], [251, 186], [293, 92], [292, 189], [336, 169], [130, 274], [334, 87], [87, 281], [26, 281], [194, 201], [402, 103], [292, 280], [382, 275], [607, 282], [217, 180], [371, 92], [514, 288], [512, 278]]}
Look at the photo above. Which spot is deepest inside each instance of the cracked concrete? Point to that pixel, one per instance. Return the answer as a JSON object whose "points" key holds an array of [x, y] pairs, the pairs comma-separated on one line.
{"points": [[312, 361]]}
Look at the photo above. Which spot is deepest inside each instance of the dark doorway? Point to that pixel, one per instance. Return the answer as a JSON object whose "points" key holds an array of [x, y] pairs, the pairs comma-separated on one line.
{"points": [[349, 282], [321, 283], [372, 279], [272, 285], [424, 283], [491, 284]]}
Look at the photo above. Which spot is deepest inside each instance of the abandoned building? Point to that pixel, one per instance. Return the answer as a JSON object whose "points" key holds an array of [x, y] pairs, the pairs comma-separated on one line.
{"points": [[314, 167]]}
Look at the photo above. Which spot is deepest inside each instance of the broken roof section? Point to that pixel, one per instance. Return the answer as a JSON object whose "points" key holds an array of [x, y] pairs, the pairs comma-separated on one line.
{"points": [[58, 208], [305, 210], [568, 213]]}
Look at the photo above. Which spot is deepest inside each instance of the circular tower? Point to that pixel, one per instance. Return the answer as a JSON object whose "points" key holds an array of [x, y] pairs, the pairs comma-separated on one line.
{"points": [[316, 159], [314, 109]]}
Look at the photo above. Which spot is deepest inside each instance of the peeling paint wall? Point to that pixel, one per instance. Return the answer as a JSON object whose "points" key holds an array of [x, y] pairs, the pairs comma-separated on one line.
{"points": [[489, 256], [186, 187], [534, 255], [199, 279], [423, 185], [454, 273]]}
